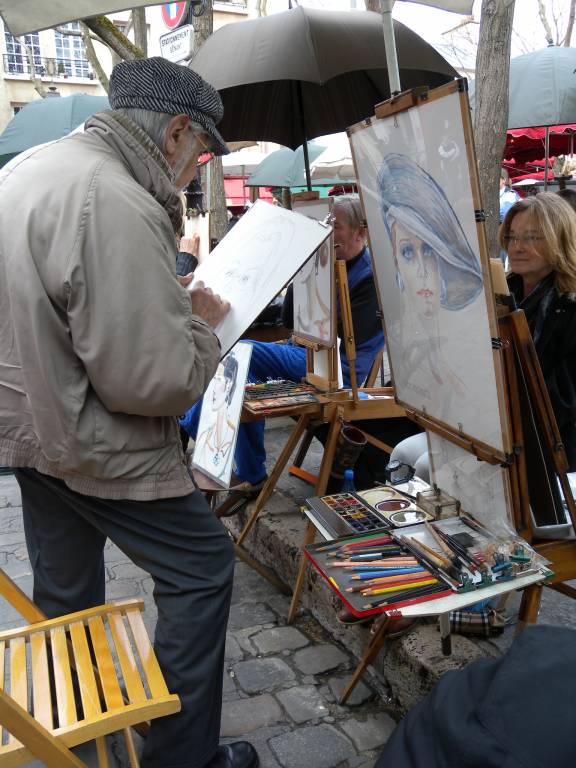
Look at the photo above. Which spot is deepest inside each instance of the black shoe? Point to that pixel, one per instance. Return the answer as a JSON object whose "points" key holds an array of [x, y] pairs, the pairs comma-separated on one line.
{"points": [[239, 754]]}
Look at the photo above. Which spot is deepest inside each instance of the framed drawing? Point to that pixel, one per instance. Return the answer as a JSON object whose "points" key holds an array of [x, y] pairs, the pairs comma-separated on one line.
{"points": [[255, 260], [314, 292], [416, 174], [220, 416]]}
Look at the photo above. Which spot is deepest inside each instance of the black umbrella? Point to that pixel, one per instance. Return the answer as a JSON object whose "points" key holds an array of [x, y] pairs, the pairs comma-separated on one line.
{"points": [[304, 73]]}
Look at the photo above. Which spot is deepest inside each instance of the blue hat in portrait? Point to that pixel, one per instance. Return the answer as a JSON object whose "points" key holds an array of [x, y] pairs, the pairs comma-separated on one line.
{"points": [[411, 197]]}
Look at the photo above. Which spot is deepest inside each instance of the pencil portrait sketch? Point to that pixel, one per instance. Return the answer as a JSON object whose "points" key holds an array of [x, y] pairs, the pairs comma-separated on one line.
{"points": [[313, 284], [255, 260], [220, 416], [416, 189]]}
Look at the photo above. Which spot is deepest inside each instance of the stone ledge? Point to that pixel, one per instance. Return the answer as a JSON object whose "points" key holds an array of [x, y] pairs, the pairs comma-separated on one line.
{"points": [[403, 672]]}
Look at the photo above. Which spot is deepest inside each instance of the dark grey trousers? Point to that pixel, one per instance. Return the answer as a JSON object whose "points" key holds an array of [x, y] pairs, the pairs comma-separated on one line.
{"points": [[190, 557]]}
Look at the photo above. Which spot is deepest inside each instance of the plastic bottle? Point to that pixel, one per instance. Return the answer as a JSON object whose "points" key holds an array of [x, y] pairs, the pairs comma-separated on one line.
{"points": [[348, 485]]}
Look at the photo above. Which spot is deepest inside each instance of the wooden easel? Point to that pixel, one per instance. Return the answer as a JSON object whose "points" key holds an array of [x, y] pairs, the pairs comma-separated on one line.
{"points": [[534, 476], [333, 408]]}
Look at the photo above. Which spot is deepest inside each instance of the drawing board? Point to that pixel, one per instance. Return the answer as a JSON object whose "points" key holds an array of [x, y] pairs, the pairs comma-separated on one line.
{"points": [[220, 416], [416, 177], [313, 285], [255, 260]]}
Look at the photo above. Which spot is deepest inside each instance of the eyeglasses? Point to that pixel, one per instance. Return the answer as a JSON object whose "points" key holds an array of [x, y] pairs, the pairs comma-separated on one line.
{"points": [[528, 240], [197, 132]]}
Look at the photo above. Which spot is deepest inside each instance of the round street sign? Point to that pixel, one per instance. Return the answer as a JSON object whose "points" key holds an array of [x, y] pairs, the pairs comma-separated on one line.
{"points": [[173, 14]]}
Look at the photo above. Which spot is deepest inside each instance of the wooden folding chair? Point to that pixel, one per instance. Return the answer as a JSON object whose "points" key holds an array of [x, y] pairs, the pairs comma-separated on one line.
{"points": [[76, 678]]}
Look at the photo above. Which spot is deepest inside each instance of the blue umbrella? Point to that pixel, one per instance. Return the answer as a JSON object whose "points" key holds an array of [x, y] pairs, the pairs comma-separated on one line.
{"points": [[287, 168], [46, 120]]}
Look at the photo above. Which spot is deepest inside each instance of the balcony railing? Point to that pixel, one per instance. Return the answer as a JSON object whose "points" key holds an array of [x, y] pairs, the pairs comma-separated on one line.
{"points": [[60, 68]]}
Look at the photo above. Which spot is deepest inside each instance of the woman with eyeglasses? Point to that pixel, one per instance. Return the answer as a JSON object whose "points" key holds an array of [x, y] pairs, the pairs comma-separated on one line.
{"points": [[539, 235]]}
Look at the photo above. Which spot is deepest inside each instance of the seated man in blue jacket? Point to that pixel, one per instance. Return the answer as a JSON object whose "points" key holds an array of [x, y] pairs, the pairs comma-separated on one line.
{"points": [[287, 361]]}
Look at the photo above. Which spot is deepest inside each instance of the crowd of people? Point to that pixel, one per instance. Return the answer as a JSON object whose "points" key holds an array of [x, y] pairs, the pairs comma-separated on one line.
{"points": [[101, 349]]}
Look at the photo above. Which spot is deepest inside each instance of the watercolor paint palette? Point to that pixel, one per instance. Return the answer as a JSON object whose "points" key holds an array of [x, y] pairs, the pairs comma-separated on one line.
{"points": [[364, 512], [394, 506]]}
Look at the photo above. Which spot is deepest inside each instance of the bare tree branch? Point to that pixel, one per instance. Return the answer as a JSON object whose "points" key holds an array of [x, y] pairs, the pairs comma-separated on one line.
{"points": [[34, 76], [140, 29], [113, 38], [545, 24], [93, 58], [570, 25]]}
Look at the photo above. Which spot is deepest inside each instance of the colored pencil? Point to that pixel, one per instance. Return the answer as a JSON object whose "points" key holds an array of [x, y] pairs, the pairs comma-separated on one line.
{"points": [[400, 588], [416, 596], [390, 572]]}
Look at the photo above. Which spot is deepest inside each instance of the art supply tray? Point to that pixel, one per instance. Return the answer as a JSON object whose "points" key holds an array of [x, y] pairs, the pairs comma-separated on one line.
{"points": [[276, 389], [473, 556], [406, 584], [376, 509]]}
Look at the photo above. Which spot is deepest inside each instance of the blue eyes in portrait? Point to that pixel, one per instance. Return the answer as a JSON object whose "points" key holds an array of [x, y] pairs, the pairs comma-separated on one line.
{"points": [[407, 251]]}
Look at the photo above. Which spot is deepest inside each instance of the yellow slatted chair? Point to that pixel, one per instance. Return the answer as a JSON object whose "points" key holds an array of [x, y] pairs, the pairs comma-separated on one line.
{"points": [[41, 713]]}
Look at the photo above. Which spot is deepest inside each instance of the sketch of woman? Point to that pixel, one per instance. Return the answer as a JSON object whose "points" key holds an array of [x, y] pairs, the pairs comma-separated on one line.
{"points": [[435, 266], [213, 451], [312, 312]]}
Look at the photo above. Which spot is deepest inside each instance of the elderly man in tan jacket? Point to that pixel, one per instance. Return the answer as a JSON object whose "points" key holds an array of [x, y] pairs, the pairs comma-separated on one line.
{"points": [[100, 350]]}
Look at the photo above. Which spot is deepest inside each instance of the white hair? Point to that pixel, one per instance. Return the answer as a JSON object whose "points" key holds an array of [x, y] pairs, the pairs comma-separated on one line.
{"points": [[154, 124]]}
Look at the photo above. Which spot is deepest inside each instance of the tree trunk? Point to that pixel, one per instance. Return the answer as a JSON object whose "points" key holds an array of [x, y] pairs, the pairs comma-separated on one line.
{"points": [[203, 26], [491, 111], [140, 30]]}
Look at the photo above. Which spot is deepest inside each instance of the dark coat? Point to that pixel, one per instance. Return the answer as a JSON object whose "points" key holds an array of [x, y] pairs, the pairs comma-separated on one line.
{"points": [[512, 712], [554, 334]]}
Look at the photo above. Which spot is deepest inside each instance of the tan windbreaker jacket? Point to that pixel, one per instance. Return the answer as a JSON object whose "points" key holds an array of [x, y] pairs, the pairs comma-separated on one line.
{"points": [[99, 348]]}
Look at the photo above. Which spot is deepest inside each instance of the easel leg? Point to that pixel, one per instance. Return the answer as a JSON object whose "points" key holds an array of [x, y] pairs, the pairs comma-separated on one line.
{"points": [[275, 474], [309, 537], [320, 489], [529, 607], [445, 638], [370, 654]]}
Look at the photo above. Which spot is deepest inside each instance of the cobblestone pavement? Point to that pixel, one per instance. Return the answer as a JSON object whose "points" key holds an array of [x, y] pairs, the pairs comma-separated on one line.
{"points": [[281, 683]]}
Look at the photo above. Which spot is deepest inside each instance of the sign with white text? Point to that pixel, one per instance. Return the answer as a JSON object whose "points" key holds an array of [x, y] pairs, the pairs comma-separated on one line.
{"points": [[177, 46]]}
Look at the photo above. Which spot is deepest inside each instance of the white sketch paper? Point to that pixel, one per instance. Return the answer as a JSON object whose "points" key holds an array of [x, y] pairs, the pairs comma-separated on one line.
{"points": [[482, 489], [313, 284], [255, 260], [199, 225], [415, 184], [220, 416]]}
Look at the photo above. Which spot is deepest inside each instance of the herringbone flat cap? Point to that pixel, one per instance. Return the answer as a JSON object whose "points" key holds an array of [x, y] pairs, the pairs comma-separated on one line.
{"points": [[159, 85]]}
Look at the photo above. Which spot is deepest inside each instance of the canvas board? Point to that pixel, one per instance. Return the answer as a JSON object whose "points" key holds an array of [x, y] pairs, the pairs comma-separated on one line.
{"points": [[220, 416], [483, 489], [255, 260], [414, 176], [313, 285]]}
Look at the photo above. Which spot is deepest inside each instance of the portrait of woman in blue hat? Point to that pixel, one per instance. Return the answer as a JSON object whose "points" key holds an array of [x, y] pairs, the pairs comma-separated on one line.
{"points": [[436, 269]]}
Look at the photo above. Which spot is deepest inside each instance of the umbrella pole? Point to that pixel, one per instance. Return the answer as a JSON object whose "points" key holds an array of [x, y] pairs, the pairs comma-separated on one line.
{"points": [[304, 137], [546, 157], [386, 7]]}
